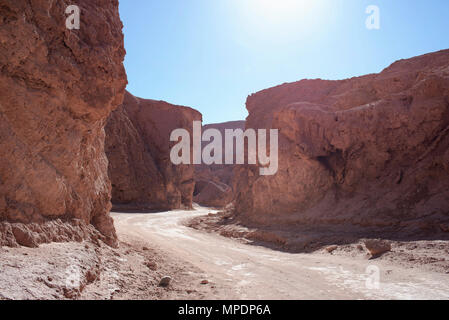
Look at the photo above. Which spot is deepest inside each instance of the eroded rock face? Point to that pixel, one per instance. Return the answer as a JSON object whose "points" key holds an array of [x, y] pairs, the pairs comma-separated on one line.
{"points": [[370, 151], [211, 192], [57, 87], [138, 148], [214, 183]]}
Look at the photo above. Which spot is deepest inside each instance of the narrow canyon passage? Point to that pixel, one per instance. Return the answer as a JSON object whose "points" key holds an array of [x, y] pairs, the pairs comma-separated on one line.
{"points": [[243, 271]]}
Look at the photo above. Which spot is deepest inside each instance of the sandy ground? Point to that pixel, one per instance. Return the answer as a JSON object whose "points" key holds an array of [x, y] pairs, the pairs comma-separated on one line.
{"points": [[240, 271], [97, 272], [205, 265]]}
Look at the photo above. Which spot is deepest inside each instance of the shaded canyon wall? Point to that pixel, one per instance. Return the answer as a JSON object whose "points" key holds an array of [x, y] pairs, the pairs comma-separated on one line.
{"points": [[138, 148]]}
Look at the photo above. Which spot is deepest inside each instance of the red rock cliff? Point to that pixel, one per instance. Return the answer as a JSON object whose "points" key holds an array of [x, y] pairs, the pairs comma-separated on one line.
{"points": [[57, 87], [138, 148], [371, 151], [214, 183]]}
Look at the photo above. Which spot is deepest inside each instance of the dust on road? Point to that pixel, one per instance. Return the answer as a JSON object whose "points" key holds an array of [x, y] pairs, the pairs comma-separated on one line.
{"points": [[244, 271]]}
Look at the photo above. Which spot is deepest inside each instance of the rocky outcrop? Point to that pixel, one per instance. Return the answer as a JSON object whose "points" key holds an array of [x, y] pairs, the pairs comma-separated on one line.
{"points": [[367, 152], [215, 183], [138, 148], [211, 192], [57, 87]]}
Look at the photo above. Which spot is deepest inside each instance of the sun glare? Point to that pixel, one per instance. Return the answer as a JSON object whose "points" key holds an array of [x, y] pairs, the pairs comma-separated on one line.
{"points": [[279, 10], [276, 19], [276, 6]]}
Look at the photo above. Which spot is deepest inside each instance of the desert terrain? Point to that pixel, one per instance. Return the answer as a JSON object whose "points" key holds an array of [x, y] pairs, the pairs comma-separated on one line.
{"points": [[92, 205], [243, 270], [206, 265]]}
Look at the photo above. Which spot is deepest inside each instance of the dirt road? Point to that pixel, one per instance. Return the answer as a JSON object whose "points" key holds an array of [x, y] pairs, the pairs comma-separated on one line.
{"points": [[250, 272]]}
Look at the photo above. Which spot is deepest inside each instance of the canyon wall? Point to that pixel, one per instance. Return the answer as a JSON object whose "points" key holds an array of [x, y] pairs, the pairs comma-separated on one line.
{"points": [[214, 183], [367, 152], [57, 87], [138, 148]]}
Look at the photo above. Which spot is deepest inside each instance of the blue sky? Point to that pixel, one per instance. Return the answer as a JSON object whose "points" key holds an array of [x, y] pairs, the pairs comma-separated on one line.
{"points": [[212, 54]]}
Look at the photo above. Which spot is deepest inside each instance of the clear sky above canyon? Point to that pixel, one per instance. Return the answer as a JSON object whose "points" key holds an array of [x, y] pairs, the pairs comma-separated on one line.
{"points": [[211, 54]]}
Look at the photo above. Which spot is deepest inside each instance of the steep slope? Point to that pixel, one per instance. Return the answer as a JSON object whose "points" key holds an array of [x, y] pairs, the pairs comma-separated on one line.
{"points": [[367, 152], [57, 87], [138, 148]]}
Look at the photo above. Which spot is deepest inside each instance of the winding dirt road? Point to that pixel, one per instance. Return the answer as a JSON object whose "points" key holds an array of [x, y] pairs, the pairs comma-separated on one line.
{"points": [[251, 272]]}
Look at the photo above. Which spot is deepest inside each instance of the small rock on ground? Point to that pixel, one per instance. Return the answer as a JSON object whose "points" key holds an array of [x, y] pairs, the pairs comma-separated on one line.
{"points": [[165, 282], [377, 247], [331, 249]]}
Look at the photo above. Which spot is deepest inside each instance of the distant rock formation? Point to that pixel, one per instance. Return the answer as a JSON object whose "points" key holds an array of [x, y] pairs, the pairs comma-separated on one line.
{"points": [[214, 183], [370, 151], [138, 148], [57, 87], [211, 192]]}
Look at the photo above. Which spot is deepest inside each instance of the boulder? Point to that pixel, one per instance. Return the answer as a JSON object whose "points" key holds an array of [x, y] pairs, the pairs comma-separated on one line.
{"points": [[377, 247]]}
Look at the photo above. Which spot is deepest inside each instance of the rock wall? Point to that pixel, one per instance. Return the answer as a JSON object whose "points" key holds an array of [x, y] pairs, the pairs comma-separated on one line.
{"points": [[138, 148], [57, 87], [215, 183], [367, 152]]}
